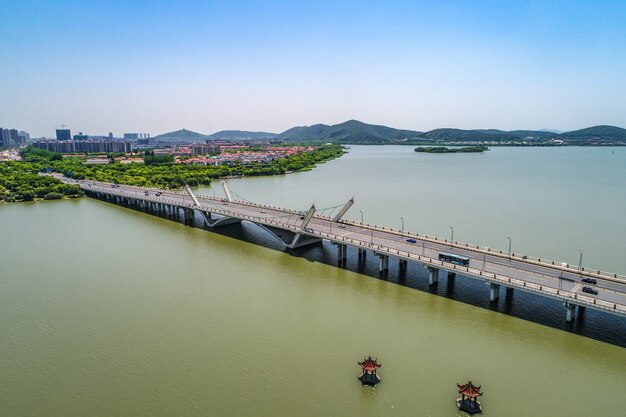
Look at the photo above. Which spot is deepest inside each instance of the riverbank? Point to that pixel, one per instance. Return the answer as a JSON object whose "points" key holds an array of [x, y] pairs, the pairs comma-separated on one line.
{"points": [[19, 180]]}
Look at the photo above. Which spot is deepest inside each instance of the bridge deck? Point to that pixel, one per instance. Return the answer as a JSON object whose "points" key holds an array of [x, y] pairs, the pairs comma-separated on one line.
{"points": [[547, 278]]}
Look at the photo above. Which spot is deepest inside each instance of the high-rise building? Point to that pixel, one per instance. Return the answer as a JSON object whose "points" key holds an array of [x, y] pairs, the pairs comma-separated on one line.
{"points": [[88, 146], [11, 137], [131, 136], [64, 134], [5, 137]]}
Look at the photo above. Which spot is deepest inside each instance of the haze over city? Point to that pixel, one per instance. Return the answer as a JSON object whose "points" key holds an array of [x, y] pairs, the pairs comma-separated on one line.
{"points": [[206, 66]]}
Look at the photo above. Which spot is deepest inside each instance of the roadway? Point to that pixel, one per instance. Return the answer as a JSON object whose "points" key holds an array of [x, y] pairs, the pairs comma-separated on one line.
{"points": [[555, 279]]}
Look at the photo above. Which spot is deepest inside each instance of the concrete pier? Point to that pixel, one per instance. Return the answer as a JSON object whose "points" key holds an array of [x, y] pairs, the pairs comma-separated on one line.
{"points": [[433, 275], [494, 291], [342, 253], [570, 312], [383, 265]]}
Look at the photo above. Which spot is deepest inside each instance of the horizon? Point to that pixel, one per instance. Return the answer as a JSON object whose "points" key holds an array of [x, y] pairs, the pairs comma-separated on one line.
{"points": [[155, 134], [269, 66]]}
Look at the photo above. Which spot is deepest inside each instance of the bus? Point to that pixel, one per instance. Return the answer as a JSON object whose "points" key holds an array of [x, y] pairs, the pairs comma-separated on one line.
{"points": [[455, 259]]}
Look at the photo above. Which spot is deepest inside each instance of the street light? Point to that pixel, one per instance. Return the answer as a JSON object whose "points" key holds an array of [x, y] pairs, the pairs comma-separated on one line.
{"points": [[580, 261], [508, 237], [451, 235], [402, 224], [361, 211]]}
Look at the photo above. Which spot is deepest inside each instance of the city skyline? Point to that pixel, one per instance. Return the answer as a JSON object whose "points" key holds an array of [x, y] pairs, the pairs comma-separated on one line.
{"points": [[159, 66]]}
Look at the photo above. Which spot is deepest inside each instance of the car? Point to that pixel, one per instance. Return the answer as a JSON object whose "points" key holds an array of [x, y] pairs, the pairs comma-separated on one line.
{"points": [[342, 226], [147, 193], [159, 193], [309, 230], [301, 217], [411, 240], [589, 281], [590, 290]]}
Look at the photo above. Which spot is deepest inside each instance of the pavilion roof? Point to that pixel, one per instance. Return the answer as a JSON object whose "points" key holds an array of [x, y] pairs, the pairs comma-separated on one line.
{"points": [[369, 364], [469, 390]]}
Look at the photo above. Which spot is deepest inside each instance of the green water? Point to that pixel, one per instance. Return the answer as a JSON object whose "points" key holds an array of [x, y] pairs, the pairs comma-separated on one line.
{"points": [[106, 311]]}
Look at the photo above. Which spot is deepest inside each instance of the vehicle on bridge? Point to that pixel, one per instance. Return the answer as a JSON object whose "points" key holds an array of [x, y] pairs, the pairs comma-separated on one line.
{"points": [[590, 290], [589, 281], [411, 240], [454, 259]]}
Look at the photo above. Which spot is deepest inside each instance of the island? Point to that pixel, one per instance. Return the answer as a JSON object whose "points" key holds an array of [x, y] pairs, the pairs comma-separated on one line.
{"points": [[443, 149]]}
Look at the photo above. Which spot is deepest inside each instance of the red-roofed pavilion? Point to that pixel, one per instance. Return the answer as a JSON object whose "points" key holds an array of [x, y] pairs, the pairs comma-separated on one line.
{"points": [[369, 375], [468, 401]]}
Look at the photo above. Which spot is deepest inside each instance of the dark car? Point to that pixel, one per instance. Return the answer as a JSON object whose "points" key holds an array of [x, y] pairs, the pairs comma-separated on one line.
{"points": [[158, 193], [589, 281], [411, 240], [590, 290]]}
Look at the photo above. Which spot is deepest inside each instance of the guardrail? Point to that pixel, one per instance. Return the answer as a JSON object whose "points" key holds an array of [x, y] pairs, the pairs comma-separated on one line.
{"points": [[367, 226]]}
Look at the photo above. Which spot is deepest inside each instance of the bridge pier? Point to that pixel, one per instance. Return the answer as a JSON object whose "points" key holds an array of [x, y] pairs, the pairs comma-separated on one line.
{"points": [[494, 291], [383, 265], [433, 275], [342, 253], [402, 264], [570, 312]]}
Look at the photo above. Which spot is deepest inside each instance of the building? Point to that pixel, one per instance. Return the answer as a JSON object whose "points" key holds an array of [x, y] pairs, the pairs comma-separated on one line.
{"points": [[203, 149], [64, 134], [84, 146], [11, 137], [131, 136]]}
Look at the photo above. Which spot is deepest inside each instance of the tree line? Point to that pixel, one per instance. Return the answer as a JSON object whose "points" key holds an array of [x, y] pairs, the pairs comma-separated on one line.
{"points": [[19, 181]]}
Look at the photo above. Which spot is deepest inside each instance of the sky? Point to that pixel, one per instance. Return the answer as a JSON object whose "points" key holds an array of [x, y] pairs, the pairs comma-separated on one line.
{"points": [[157, 66]]}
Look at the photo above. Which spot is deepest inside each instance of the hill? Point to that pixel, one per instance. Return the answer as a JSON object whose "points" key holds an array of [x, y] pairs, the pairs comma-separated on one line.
{"points": [[242, 135], [352, 131], [356, 132], [485, 135], [182, 135], [596, 135]]}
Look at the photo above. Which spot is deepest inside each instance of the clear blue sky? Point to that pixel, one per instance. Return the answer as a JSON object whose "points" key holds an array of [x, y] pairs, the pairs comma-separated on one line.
{"points": [[155, 66]]}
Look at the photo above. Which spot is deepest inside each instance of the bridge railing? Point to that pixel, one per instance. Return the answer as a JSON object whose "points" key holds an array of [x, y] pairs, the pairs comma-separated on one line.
{"points": [[480, 274], [565, 267]]}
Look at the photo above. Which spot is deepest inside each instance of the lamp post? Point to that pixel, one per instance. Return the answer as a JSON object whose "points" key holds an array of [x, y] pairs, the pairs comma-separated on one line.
{"points": [[361, 211], [580, 262], [451, 235], [402, 224], [508, 237]]}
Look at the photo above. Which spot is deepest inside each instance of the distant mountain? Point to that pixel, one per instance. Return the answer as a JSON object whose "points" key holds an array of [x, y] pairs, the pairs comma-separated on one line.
{"points": [[485, 135], [242, 135], [596, 135], [182, 135], [355, 132], [351, 131]]}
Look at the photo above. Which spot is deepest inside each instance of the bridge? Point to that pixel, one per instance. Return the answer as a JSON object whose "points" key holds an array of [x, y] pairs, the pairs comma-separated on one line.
{"points": [[567, 283]]}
